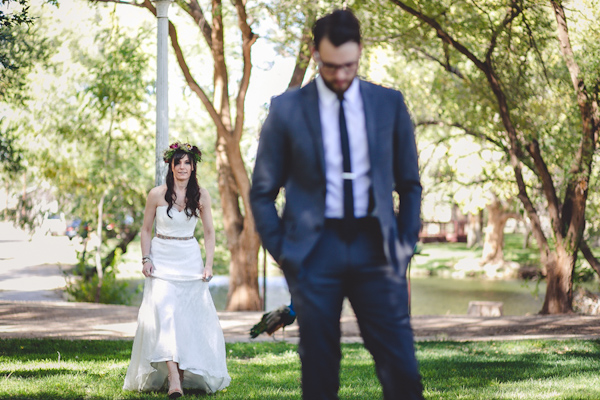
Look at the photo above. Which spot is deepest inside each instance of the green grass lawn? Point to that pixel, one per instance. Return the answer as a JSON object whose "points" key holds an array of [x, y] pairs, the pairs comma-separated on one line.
{"points": [[439, 257], [535, 369]]}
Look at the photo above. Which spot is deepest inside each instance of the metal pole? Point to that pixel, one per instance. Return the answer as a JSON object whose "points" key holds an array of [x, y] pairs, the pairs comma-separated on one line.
{"points": [[162, 88]]}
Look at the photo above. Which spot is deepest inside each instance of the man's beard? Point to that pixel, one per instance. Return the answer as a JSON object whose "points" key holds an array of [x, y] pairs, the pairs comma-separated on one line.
{"points": [[335, 89]]}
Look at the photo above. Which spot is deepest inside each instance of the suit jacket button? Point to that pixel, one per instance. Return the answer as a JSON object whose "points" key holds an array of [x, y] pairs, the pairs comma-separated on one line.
{"points": [[318, 228]]}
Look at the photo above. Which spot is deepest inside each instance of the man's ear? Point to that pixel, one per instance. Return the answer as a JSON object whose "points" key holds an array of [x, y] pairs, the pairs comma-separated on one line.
{"points": [[313, 50]]}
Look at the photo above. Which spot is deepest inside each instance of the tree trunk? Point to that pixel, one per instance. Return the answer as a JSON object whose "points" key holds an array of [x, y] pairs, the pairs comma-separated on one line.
{"points": [[526, 236], [127, 238], [474, 230], [493, 245], [6, 187], [559, 281], [21, 212], [243, 281], [242, 241], [99, 269]]}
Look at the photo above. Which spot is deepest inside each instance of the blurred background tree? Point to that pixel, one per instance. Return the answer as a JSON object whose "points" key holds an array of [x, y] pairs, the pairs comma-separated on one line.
{"points": [[514, 80], [488, 83], [21, 49]]}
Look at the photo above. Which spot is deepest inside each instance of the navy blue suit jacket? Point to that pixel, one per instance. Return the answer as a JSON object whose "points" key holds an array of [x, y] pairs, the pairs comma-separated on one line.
{"points": [[290, 155]]}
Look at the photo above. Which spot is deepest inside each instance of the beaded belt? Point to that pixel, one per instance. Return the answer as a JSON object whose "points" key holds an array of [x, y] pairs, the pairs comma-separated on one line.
{"points": [[158, 235]]}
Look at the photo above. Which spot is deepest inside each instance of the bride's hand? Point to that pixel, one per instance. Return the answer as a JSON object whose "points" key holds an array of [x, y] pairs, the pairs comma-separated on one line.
{"points": [[148, 269], [207, 275]]}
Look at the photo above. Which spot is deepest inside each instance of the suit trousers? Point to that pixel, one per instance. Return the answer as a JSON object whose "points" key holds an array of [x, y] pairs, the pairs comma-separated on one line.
{"points": [[336, 269]]}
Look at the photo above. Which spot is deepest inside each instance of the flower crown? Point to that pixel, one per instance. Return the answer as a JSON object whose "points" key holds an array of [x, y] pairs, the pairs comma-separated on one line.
{"points": [[186, 147]]}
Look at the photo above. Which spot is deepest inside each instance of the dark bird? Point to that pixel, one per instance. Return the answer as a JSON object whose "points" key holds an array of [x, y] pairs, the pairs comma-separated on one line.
{"points": [[274, 320]]}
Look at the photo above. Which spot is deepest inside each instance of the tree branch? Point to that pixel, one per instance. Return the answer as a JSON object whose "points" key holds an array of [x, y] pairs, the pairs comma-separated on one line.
{"points": [[220, 75], [195, 11], [191, 81], [180, 60], [445, 64], [589, 256], [442, 34], [248, 39], [129, 3], [381, 39], [535, 47], [511, 14], [303, 57], [533, 149], [504, 109], [486, 68], [238, 169], [573, 212], [483, 10], [467, 131]]}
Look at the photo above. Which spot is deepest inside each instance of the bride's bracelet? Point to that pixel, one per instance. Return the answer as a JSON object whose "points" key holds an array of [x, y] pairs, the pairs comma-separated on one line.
{"points": [[146, 259]]}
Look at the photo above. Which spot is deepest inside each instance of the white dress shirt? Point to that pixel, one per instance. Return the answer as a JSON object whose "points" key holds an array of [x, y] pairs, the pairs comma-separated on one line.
{"points": [[329, 108]]}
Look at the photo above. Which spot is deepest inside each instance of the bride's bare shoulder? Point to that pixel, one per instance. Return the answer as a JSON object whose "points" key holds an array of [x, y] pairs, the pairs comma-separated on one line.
{"points": [[204, 192], [204, 195], [204, 199], [157, 193]]}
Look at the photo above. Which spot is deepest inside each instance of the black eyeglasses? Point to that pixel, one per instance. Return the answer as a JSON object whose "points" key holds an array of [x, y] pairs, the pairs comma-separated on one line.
{"points": [[331, 68]]}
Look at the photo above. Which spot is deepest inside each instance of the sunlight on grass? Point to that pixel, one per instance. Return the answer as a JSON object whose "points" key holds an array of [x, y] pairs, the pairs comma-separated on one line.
{"points": [[437, 258]]}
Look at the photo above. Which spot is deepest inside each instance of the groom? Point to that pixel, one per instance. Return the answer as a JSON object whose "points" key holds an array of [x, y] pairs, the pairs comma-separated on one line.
{"points": [[340, 146]]}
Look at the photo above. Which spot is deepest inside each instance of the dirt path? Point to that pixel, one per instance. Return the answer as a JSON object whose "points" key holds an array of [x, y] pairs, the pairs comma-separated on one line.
{"points": [[24, 319]]}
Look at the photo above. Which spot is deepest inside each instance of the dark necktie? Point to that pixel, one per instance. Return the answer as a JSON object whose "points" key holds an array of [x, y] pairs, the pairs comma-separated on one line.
{"points": [[347, 174]]}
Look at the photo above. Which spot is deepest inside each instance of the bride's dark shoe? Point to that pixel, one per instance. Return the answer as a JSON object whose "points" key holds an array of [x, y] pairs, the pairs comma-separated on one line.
{"points": [[174, 393]]}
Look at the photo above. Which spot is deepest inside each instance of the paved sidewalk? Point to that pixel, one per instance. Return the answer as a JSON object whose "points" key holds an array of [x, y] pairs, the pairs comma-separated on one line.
{"points": [[26, 319], [30, 267]]}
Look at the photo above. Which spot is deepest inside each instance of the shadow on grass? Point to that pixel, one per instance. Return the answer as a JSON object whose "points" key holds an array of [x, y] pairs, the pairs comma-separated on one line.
{"points": [[92, 350], [28, 373], [472, 366], [271, 370]]}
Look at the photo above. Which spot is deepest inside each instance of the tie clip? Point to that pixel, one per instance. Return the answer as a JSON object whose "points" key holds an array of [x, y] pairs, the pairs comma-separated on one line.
{"points": [[348, 176]]}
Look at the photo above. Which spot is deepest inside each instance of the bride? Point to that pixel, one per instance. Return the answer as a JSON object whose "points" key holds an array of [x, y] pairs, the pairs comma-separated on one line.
{"points": [[179, 342]]}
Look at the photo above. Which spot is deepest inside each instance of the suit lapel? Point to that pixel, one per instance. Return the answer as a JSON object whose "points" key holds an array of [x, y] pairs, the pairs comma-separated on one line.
{"points": [[370, 112], [310, 106]]}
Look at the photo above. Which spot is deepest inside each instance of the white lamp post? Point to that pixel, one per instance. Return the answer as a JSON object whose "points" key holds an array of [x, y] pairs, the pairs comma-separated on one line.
{"points": [[162, 88]]}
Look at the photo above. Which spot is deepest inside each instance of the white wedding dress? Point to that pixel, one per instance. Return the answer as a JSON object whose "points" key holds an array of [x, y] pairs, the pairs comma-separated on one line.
{"points": [[177, 320]]}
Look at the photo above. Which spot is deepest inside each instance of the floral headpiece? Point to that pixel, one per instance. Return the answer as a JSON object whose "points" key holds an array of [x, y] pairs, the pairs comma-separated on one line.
{"points": [[186, 147]]}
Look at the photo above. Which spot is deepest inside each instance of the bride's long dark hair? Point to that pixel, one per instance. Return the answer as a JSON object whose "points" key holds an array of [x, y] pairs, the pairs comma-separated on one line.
{"points": [[192, 192]]}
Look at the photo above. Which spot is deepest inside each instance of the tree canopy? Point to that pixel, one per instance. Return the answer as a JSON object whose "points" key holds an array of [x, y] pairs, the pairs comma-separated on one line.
{"points": [[518, 80], [514, 80]]}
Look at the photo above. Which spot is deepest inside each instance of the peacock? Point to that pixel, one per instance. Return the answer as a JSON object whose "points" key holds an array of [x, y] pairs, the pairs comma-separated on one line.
{"points": [[273, 320]]}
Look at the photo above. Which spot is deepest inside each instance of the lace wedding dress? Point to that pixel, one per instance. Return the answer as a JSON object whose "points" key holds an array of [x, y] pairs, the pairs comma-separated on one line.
{"points": [[177, 320]]}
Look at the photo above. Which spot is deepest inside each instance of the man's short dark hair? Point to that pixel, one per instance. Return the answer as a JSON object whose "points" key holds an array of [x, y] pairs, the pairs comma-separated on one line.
{"points": [[339, 27]]}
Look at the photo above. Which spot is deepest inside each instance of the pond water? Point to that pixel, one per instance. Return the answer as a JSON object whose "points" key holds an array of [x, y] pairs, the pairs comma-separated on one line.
{"points": [[439, 296], [430, 296], [277, 291]]}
